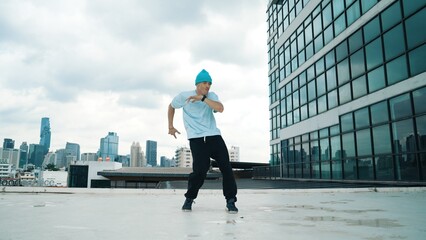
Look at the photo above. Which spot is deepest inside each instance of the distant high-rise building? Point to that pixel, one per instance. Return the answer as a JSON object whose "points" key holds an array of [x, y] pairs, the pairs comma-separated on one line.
{"points": [[151, 153], [23, 156], [10, 155], [45, 133], [89, 157], [36, 154], [61, 160], [183, 157], [234, 154], [73, 150], [108, 149], [8, 143], [136, 155]]}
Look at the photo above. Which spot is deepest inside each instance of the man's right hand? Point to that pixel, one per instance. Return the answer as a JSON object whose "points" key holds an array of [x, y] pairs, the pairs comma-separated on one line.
{"points": [[173, 131]]}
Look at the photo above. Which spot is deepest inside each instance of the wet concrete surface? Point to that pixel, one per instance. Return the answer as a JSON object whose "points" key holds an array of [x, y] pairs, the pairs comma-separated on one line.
{"points": [[356, 213]]}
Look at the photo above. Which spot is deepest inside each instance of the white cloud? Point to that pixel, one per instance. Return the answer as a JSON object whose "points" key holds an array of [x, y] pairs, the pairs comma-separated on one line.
{"points": [[98, 66]]}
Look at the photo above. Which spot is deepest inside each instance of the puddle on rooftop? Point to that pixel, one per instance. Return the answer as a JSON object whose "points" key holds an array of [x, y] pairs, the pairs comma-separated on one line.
{"points": [[379, 222]]}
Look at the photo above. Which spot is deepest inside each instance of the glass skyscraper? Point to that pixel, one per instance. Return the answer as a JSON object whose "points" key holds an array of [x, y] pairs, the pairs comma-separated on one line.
{"points": [[108, 150], [151, 153], [347, 89], [45, 133]]}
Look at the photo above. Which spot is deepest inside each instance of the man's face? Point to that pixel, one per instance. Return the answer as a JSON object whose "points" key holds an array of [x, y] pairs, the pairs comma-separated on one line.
{"points": [[203, 88]]}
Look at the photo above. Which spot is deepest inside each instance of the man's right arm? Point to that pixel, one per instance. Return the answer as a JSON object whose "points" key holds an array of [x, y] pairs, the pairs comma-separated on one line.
{"points": [[170, 117]]}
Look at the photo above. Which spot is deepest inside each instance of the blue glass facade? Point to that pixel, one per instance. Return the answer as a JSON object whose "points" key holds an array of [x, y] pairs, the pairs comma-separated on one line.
{"points": [[108, 150], [346, 79], [151, 153], [45, 133]]}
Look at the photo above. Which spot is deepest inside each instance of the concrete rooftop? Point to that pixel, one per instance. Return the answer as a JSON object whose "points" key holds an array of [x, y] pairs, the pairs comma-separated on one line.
{"points": [[322, 213]]}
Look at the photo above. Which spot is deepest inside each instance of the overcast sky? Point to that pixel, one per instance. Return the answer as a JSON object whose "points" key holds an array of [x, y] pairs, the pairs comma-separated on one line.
{"points": [[102, 66]]}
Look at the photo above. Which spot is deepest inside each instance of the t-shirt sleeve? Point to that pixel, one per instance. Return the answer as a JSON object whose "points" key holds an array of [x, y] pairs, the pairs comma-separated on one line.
{"points": [[179, 101]]}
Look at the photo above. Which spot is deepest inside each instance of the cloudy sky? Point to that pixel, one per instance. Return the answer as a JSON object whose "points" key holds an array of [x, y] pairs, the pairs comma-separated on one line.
{"points": [[102, 66]]}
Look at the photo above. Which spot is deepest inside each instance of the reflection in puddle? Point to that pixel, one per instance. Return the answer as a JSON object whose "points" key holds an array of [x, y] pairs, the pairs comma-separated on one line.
{"points": [[379, 222]]}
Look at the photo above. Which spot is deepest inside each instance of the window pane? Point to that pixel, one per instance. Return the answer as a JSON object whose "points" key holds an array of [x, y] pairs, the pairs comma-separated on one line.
{"points": [[411, 6], [321, 84], [338, 7], [329, 59], [341, 51], [419, 98], [355, 41], [325, 149], [394, 42], [318, 43], [332, 99], [421, 130], [359, 86], [400, 107], [311, 72], [335, 147], [345, 93], [382, 140], [403, 138], [327, 16], [363, 140], [372, 29], [317, 25], [313, 108], [346, 122], [357, 63], [304, 112], [367, 4], [328, 34], [296, 99], [416, 33], [353, 13], [384, 168], [296, 116], [379, 113], [391, 16], [303, 95], [308, 34], [362, 118], [348, 145], [396, 70], [343, 71], [374, 54], [365, 168], [319, 66], [322, 104], [311, 90], [339, 25], [376, 79], [331, 79], [417, 58]]}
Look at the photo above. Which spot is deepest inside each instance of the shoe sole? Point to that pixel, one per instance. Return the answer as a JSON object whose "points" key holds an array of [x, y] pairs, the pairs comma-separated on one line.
{"points": [[186, 210], [231, 212]]}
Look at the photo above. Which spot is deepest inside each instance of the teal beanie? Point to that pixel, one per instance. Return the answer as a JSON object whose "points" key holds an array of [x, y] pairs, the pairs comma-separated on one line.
{"points": [[203, 76]]}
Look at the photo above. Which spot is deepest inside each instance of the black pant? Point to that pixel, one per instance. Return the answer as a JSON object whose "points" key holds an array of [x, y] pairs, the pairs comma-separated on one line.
{"points": [[202, 150]]}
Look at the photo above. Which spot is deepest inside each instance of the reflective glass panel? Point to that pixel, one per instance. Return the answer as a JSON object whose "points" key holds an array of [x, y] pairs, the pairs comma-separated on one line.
{"points": [[362, 118], [374, 53], [313, 108], [382, 139], [403, 138], [359, 86], [339, 25], [421, 130], [324, 149], [365, 168], [335, 147], [363, 140], [391, 16], [345, 93], [414, 26], [372, 29], [304, 112], [338, 7], [341, 51], [357, 63], [367, 4], [343, 71], [303, 95], [296, 99], [329, 59], [311, 90], [353, 13], [376, 79], [328, 34], [332, 99], [331, 78], [417, 60], [384, 167], [321, 87], [322, 104], [347, 122], [400, 107], [396, 70], [355, 41], [394, 42], [411, 6], [419, 98], [379, 113], [348, 145]]}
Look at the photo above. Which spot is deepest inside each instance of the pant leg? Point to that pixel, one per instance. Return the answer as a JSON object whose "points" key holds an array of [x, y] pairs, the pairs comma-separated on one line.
{"points": [[200, 166], [221, 155]]}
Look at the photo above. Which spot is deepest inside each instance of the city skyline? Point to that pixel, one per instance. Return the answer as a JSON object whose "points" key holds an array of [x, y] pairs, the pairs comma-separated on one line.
{"points": [[91, 75]]}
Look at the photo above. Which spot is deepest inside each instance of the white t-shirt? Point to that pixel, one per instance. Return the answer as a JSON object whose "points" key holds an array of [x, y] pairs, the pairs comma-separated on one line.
{"points": [[197, 116]]}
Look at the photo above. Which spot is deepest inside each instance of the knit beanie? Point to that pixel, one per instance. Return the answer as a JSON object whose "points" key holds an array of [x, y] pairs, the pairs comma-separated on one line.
{"points": [[203, 76]]}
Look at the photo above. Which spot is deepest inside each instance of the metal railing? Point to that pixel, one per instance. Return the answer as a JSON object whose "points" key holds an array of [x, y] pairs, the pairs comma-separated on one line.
{"points": [[268, 172]]}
